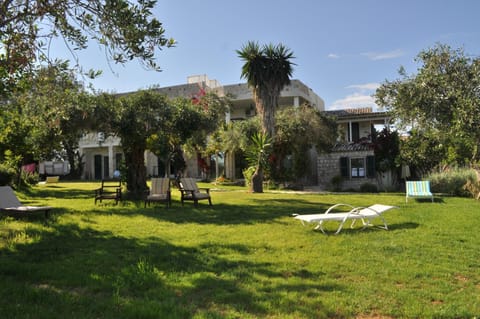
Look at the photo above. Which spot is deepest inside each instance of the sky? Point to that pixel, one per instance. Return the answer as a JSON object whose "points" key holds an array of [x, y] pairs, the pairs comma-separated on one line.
{"points": [[344, 49]]}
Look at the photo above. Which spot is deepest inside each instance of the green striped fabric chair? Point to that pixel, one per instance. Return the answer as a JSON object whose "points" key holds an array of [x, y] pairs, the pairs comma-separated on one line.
{"points": [[418, 189]]}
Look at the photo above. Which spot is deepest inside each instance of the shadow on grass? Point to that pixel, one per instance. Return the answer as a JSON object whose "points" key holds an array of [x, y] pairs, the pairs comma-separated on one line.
{"points": [[57, 192], [218, 214], [257, 208], [94, 274], [347, 231]]}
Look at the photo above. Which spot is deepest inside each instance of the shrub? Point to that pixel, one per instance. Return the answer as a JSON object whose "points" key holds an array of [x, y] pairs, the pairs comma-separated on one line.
{"points": [[368, 188], [7, 174], [473, 185], [30, 178], [452, 181], [247, 174], [336, 183]]}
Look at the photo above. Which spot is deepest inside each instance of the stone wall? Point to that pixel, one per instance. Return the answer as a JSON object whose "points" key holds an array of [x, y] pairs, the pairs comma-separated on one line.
{"points": [[328, 167]]}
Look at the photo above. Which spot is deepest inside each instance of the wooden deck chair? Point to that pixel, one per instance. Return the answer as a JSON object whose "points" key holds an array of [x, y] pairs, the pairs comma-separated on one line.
{"points": [[159, 192], [365, 214], [10, 205], [190, 191], [110, 189]]}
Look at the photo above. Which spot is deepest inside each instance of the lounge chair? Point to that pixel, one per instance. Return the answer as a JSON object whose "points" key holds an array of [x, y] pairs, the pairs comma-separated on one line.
{"points": [[10, 205], [159, 192], [110, 189], [50, 180], [190, 191], [366, 214], [418, 189]]}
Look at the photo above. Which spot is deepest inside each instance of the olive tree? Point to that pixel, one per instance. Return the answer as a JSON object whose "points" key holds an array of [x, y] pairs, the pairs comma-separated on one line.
{"points": [[126, 30], [441, 101]]}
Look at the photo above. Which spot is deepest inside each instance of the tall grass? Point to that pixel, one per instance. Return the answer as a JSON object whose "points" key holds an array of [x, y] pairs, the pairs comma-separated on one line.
{"points": [[245, 257], [452, 181]]}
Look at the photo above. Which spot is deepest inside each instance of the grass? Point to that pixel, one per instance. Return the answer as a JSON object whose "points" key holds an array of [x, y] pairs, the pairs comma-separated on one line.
{"points": [[245, 257]]}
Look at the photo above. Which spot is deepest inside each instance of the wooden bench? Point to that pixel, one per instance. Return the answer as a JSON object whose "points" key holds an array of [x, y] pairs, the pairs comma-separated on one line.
{"points": [[110, 189], [418, 189]]}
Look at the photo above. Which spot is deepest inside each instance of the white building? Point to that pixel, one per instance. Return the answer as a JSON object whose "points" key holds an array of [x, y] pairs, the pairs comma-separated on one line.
{"points": [[102, 155], [351, 158]]}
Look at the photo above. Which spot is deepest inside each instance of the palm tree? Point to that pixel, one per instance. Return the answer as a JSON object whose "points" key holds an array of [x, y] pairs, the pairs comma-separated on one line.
{"points": [[267, 70]]}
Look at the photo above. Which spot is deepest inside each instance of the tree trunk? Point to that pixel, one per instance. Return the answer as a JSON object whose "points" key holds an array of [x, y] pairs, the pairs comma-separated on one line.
{"points": [[257, 181], [136, 173], [75, 160], [269, 108], [266, 103]]}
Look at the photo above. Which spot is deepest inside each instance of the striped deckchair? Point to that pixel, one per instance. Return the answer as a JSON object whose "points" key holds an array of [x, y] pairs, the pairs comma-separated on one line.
{"points": [[418, 189]]}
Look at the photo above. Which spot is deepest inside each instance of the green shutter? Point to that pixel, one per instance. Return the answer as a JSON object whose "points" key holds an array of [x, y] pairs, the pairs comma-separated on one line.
{"points": [[344, 167], [370, 166]]}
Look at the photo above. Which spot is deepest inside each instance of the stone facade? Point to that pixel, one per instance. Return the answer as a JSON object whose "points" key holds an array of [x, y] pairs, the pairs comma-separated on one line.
{"points": [[328, 169]]}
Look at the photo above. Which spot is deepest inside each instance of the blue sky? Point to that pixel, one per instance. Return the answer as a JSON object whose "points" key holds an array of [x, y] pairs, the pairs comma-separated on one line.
{"points": [[344, 48]]}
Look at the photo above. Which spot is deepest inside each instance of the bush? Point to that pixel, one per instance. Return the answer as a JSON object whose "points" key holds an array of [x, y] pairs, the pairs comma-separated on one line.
{"points": [[7, 174], [247, 174], [368, 188], [473, 186], [336, 183], [452, 181], [30, 178]]}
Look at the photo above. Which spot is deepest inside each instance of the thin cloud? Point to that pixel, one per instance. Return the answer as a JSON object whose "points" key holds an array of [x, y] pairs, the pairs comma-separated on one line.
{"points": [[375, 56], [333, 56], [364, 87], [356, 100]]}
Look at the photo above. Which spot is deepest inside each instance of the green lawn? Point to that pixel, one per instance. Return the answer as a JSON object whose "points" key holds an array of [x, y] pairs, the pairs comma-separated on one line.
{"points": [[245, 257]]}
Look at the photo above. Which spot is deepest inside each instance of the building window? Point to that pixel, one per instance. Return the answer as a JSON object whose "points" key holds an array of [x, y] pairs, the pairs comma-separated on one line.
{"points": [[357, 167], [371, 166], [353, 131], [344, 167]]}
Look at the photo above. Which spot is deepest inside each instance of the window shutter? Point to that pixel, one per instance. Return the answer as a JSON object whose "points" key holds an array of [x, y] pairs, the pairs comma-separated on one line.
{"points": [[355, 132], [344, 167], [370, 166]]}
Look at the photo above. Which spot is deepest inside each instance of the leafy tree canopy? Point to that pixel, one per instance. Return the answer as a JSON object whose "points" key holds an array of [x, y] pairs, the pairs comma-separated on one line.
{"points": [[148, 120], [442, 100], [127, 30], [47, 119], [134, 118], [298, 130]]}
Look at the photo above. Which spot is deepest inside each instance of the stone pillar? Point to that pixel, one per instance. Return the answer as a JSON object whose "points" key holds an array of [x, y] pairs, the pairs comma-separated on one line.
{"points": [[230, 165], [227, 117], [296, 101], [111, 168], [350, 138]]}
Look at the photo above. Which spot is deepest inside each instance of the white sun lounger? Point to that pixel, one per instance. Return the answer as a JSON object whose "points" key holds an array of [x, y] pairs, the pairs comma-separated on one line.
{"points": [[366, 214], [10, 205]]}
